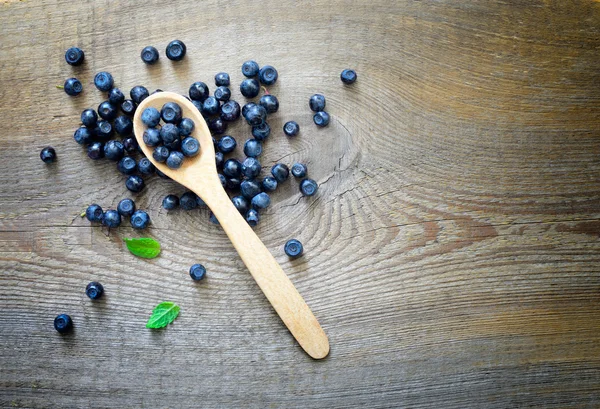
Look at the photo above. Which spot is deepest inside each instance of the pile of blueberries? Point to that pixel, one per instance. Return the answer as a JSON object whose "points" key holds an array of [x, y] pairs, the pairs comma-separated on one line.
{"points": [[112, 218]]}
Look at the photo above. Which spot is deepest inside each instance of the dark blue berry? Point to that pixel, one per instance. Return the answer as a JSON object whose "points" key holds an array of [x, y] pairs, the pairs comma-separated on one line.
{"points": [[176, 50], [127, 165], [95, 150], [213, 219], [222, 93], [170, 202], [94, 213], [63, 324], [186, 127], [73, 87], [149, 55], [103, 130], [291, 128], [104, 81], [269, 184], [152, 137], [253, 148], [249, 188], [210, 106], [280, 172], [161, 153], [197, 272], [123, 125], [230, 111], [255, 115], [171, 113], [113, 150], [222, 79], [94, 290], [299, 170], [222, 179], [219, 159], [151, 117], [200, 201], [111, 218], [139, 219], [233, 183], [162, 175], [135, 183], [348, 76], [241, 203], [83, 135], [89, 117], [188, 201], [169, 133], [293, 248], [159, 90], [226, 144], [198, 105], [116, 97], [175, 145], [74, 56], [175, 160], [130, 144], [246, 107], [198, 91], [252, 217], [249, 88], [250, 69], [321, 118], [261, 201], [146, 167], [308, 187], [261, 132], [251, 168], [190, 146], [267, 75], [232, 168], [270, 103], [107, 111], [128, 107], [317, 102], [139, 93], [126, 207]]}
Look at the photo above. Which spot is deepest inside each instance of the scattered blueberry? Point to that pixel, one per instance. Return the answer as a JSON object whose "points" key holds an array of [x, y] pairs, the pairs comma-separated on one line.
{"points": [[222, 179], [127, 165], [213, 219], [321, 118], [73, 87], [146, 167], [130, 144], [249, 88], [226, 144], [317, 102], [348, 76], [74, 56], [103, 130], [198, 91], [255, 115], [158, 90], [186, 127], [267, 75], [233, 183], [94, 290], [113, 150], [270, 103], [269, 184], [299, 170], [123, 125], [139, 93], [188, 201], [261, 132], [230, 111], [161, 153], [95, 150], [249, 188], [140, 219], [232, 168], [171, 113], [63, 323], [222, 93], [219, 159], [162, 175], [293, 248], [151, 117], [135, 183], [190, 146], [200, 201], [210, 106], [107, 111], [126, 207], [103, 81], [308, 187], [291, 128], [94, 213], [253, 148], [152, 137], [252, 217], [128, 107], [261, 201], [89, 117], [280, 172], [247, 107], [175, 160], [241, 203], [222, 79], [169, 133], [83, 135], [176, 50], [251, 168], [197, 272], [111, 218], [115, 96], [149, 55], [170, 202], [250, 69]]}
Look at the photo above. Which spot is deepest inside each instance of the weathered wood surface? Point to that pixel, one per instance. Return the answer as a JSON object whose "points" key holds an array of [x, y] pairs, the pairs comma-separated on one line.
{"points": [[452, 254]]}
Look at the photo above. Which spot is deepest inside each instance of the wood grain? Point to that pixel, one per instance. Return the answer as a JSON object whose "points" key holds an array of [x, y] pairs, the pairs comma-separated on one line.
{"points": [[451, 255]]}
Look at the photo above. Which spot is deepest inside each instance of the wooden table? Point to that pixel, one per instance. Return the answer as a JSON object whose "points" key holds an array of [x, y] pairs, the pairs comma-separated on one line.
{"points": [[452, 253]]}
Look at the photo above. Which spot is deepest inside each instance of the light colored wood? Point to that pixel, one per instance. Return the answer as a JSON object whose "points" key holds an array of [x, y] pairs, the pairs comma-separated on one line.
{"points": [[199, 174]]}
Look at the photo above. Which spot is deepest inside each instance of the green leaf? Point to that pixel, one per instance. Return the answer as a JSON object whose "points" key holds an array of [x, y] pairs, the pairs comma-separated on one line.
{"points": [[163, 314], [144, 247]]}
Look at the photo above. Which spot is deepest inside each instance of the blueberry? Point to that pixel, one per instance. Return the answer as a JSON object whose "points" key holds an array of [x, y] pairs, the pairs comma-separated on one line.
{"points": [[162, 175], [123, 125], [152, 137], [94, 290], [226, 144], [270, 103], [261, 201], [321, 118], [111, 218], [190, 146], [241, 203], [74, 56], [199, 201], [73, 87], [126, 207], [233, 183], [261, 132], [246, 107], [115, 96], [230, 111], [280, 172], [107, 111], [83, 135], [171, 113], [130, 144], [291, 128], [210, 106], [249, 188], [149, 55], [103, 130], [222, 93], [104, 81], [175, 160], [127, 165], [151, 117], [222, 79], [186, 127], [267, 75], [219, 159], [308, 187], [139, 93], [251, 168], [175, 145], [176, 50], [252, 217], [249, 88], [348, 76], [269, 184], [299, 170], [197, 272], [232, 168], [128, 107], [250, 69], [170, 202], [198, 91], [161, 153], [169, 133], [89, 117], [135, 183], [293, 248], [139, 219], [213, 219], [63, 324], [188, 201], [253, 148], [146, 167], [94, 213], [255, 115], [113, 150], [317, 102], [157, 90], [95, 150]]}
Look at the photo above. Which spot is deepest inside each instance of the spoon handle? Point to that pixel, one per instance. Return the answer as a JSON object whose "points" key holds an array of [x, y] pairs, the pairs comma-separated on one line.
{"points": [[269, 276]]}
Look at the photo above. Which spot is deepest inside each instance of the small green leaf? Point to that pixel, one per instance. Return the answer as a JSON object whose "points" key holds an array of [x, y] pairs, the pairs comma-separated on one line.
{"points": [[163, 314], [144, 247]]}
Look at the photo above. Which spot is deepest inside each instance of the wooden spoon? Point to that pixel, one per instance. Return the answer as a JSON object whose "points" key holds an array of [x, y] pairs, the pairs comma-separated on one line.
{"points": [[199, 174]]}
